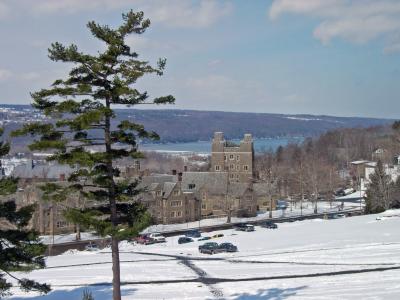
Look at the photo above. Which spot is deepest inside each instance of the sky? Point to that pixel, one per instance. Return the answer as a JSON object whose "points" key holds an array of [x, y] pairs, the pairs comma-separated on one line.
{"points": [[330, 57]]}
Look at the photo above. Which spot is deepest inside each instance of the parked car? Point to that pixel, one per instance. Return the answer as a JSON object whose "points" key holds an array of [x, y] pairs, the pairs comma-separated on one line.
{"points": [[157, 237], [210, 248], [184, 240], [91, 247], [193, 234], [336, 216], [269, 225], [204, 238], [228, 247], [244, 227], [281, 204], [144, 239], [218, 235], [240, 226]]}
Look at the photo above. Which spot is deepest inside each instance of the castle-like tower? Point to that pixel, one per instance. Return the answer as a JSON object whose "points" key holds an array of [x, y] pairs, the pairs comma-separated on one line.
{"points": [[236, 159]]}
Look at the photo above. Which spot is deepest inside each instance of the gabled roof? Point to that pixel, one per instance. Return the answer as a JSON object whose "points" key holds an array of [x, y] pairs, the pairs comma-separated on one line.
{"points": [[214, 182], [167, 189], [237, 189], [147, 181], [261, 189]]}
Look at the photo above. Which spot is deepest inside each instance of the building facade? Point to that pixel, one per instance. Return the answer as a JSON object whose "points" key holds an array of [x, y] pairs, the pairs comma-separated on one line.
{"points": [[235, 159]]}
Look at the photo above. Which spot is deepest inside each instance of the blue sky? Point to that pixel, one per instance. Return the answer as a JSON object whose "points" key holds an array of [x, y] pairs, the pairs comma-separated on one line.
{"points": [[332, 57]]}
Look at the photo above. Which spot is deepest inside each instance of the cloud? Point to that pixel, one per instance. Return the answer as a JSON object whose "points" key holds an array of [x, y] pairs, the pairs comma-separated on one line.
{"points": [[5, 74], [25, 76], [172, 13], [183, 13], [353, 20], [4, 10]]}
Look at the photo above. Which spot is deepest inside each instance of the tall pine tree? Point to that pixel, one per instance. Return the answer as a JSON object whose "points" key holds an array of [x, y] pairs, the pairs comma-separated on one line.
{"points": [[20, 249], [82, 105], [379, 193]]}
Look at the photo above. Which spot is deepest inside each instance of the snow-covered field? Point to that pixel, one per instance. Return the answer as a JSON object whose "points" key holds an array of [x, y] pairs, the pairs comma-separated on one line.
{"points": [[351, 258]]}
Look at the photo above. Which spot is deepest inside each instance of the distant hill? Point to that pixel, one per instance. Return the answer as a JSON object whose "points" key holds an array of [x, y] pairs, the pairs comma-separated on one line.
{"points": [[192, 125]]}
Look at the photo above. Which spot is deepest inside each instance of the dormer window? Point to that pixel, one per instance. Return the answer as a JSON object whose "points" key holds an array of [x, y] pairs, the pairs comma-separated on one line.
{"points": [[191, 186]]}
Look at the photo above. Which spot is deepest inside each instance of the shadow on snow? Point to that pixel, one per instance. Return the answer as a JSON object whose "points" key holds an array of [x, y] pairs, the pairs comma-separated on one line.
{"points": [[98, 293], [269, 294]]}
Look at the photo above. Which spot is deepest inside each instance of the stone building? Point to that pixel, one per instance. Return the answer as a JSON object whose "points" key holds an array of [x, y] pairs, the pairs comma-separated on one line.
{"points": [[48, 217], [235, 159], [219, 196], [166, 200]]}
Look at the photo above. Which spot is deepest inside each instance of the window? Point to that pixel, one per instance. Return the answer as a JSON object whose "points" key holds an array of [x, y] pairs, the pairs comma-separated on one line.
{"points": [[61, 224], [191, 186], [246, 168], [203, 206], [237, 157], [176, 192], [216, 168], [237, 176], [179, 214], [158, 193], [204, 196], [232, 167], [237, 168], [225, 158], [176, 203], [231, 176], [172, 214], [231, 157]]}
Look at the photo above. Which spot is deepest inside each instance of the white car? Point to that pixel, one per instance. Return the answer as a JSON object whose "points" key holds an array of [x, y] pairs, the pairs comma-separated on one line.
{"points": [[157, 237]]}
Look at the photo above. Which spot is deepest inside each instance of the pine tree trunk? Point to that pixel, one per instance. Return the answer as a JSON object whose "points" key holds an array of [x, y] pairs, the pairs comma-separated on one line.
{"points": [[116, 269], [113, 210]]}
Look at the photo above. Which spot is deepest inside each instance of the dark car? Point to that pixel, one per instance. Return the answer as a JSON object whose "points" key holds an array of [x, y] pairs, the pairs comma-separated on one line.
{"points": [[244, 227], [228, 247], [204, 238], [193, 234], [91, 247], [269, 225], [210, 248], [184, 240]]}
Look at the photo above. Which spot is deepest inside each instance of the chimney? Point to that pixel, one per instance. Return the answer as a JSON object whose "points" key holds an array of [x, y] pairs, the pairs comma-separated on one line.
{"points": [[62, 177], [174, 172], [179, 176], [185, 168]]}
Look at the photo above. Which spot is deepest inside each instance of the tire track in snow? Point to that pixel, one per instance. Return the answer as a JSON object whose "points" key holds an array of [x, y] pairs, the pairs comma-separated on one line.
{"points": [[215, 280]]}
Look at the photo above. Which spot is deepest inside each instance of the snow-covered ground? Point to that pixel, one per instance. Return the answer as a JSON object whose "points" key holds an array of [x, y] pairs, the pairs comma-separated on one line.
{"points": [[350, 258]]}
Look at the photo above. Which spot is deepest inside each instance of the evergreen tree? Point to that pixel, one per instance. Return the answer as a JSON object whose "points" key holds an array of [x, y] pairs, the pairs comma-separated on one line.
{"points": [[379, 191], [82, 105], [20, 249]]}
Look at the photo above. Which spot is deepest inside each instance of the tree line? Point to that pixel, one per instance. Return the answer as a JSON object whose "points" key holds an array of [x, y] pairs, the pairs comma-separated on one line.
{"points": [[317, 167]]}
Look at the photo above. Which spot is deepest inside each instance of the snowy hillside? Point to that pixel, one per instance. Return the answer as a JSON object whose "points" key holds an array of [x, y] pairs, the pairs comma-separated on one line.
{"points": [[351, 258]]}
